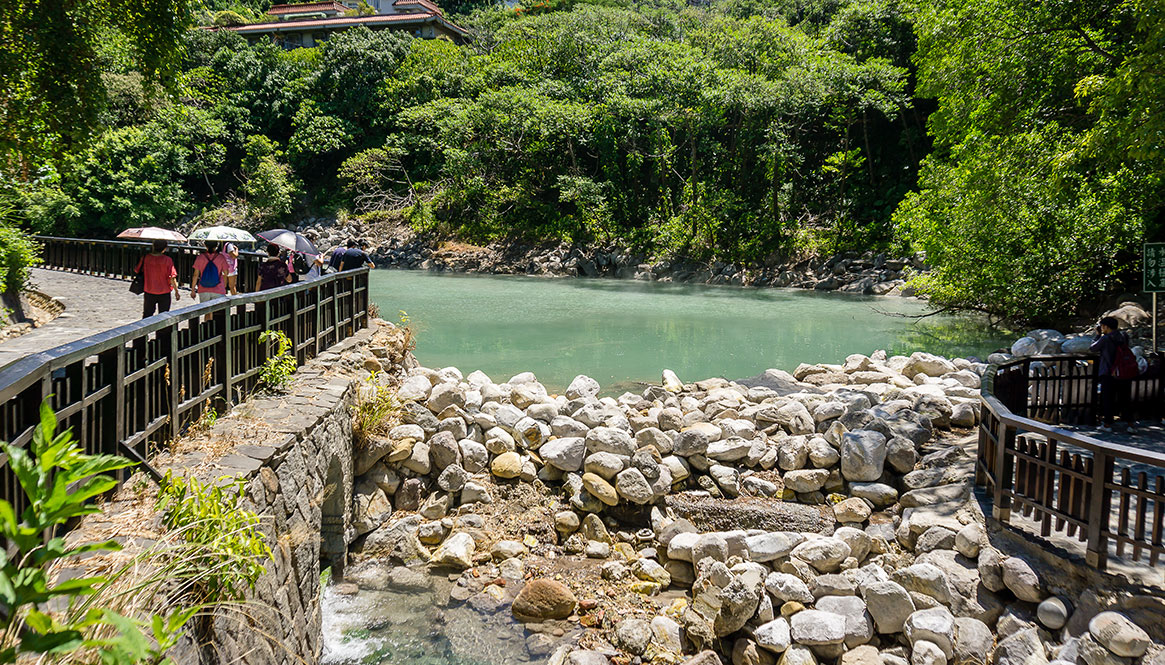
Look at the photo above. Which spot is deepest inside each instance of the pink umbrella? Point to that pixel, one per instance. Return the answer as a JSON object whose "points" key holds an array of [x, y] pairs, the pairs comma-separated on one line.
{"points": [[152, 233]]}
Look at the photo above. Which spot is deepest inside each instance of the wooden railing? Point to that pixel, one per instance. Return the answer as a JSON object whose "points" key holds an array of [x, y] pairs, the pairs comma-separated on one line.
{"points": [[142, 384], [119, 258], [1094, 491]]}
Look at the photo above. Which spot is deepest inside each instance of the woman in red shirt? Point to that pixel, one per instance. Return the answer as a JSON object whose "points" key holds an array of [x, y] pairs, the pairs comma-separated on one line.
{"points": [[160, 279]]}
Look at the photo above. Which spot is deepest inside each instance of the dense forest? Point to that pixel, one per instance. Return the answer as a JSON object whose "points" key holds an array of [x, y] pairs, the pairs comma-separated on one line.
{"points": [[1018, 144]]}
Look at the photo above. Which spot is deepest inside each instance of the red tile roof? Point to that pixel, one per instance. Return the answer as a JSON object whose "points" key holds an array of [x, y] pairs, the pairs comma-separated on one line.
{"points": [[419, 3], [346, 22], [306, 8]]}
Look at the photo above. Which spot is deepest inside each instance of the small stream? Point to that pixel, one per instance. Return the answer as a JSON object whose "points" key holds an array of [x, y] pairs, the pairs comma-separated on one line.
{"points": [[416, 628], [621, 333]]}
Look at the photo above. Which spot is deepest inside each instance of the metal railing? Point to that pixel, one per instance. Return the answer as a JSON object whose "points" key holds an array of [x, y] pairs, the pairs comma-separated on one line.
{"points": [[119, 258], [144, 383], [1095, 491]]}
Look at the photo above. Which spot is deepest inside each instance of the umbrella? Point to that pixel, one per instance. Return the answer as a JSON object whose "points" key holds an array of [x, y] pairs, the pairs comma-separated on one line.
{"points": [[152, 233], [289, 240], [225, 233]]}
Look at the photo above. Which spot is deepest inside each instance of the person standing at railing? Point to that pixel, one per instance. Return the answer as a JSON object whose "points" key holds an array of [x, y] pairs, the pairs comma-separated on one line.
{"points": [[210, 274], [160, 279], [354, 257], [1116, 370]]}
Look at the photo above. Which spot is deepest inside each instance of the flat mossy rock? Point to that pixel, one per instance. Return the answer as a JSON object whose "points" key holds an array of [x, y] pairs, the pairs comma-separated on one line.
{"points": [[709, 514]]}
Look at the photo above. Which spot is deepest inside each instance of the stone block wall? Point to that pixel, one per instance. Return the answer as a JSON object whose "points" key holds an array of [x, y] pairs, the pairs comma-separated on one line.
{"points": [[294, 452], [299, 481]]}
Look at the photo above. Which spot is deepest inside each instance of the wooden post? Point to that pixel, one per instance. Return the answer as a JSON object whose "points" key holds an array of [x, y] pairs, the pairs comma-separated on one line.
{"points": [[336, 311], [119, 392], [1001, 503], [317, 290], [295, 333], [227, 359], [175, 379], [1099, 506], [1048, 485]]}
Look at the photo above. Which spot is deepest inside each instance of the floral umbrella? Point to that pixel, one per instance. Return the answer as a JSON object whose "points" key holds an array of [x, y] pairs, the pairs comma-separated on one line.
{"points": [[223, 233], [152, 233]]}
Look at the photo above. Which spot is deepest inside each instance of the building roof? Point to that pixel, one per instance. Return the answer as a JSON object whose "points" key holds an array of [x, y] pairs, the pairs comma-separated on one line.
{"points": [[306, 8], [339, 23], [418, 3]]}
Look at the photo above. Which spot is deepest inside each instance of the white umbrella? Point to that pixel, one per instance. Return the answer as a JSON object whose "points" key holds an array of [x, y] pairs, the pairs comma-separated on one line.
{"points": [[224, 233]]}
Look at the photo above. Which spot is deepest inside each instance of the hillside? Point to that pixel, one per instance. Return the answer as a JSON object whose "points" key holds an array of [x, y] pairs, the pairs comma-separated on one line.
{"points": [[740, 130]]}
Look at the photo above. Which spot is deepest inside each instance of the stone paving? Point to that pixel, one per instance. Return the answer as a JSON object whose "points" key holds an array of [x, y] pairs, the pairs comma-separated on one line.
{"points": [[92, 305]]}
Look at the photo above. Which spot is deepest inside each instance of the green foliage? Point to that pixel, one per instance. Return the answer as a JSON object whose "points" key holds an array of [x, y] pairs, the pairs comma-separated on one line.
{"points": [[376, 411], [277, 370], [1012, 229], [228, 543], [18, 253], [375, 180], [562, 121], [51, 88], [227, 17], [140, 175], [60, 482], [1040, 190], [270, 186]]}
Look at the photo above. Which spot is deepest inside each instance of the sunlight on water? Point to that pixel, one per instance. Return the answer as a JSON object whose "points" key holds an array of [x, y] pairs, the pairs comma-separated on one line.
{"points": [[395, 628]]}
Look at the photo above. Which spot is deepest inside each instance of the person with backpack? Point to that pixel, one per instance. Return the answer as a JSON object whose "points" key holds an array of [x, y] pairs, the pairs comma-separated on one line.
{"points": [[1117, 367], [273, 272], [210, 274]]}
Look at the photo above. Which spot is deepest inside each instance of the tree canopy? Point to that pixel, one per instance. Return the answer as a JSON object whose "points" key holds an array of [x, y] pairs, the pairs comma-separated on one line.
{"points": [[1046, 172], [1018, 144], [54, 58]]}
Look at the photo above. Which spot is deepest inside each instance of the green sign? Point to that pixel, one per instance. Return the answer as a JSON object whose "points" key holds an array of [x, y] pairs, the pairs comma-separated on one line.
{"points": [[1154, 269]]}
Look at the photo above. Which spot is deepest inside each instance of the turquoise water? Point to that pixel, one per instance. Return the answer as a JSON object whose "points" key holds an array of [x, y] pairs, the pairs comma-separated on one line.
{"points": [[398, 628], [621, 332]]}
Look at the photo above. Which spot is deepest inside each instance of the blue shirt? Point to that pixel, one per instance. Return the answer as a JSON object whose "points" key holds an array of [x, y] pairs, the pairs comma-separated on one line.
{"points": [[352, 258]]}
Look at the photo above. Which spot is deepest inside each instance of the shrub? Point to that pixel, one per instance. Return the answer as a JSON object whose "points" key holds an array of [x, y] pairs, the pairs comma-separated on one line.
{"points": [[228, 18], [277, 371], [227, 549], [18, 253], [61, 483], [376, 411]]}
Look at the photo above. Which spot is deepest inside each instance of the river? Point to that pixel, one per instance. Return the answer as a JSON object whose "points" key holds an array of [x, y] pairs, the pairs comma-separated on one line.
{"points": [[622, 332]]}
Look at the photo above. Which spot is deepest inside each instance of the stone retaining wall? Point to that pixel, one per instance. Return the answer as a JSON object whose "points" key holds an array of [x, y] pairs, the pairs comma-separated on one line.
{"points": [[295, 452]]}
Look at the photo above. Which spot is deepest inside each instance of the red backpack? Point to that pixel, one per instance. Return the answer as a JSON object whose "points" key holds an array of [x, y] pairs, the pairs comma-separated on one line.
{"points": [[1125, 366]]}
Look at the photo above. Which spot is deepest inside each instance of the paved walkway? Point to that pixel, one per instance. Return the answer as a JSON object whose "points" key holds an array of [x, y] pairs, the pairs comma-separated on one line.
{"points": [[92, 305]]}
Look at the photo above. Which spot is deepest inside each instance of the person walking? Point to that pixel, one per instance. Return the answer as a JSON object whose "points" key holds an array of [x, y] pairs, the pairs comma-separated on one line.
{"points": [[160, 279], [1116, 369], [231, 253], [273, 271], [210, 271]]}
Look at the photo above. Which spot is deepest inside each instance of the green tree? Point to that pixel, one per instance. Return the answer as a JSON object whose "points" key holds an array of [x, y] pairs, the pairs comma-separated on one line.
{"points": [[1033, 204], [270, 186], [51, 88]]}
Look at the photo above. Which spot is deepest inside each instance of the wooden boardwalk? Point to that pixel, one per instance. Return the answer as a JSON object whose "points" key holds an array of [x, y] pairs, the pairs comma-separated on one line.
{"points": [[92, 305]]}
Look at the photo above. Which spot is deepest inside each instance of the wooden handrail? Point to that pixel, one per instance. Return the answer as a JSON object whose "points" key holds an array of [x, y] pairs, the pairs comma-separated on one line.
{"points": [[144, 383], [1065, 480]]}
